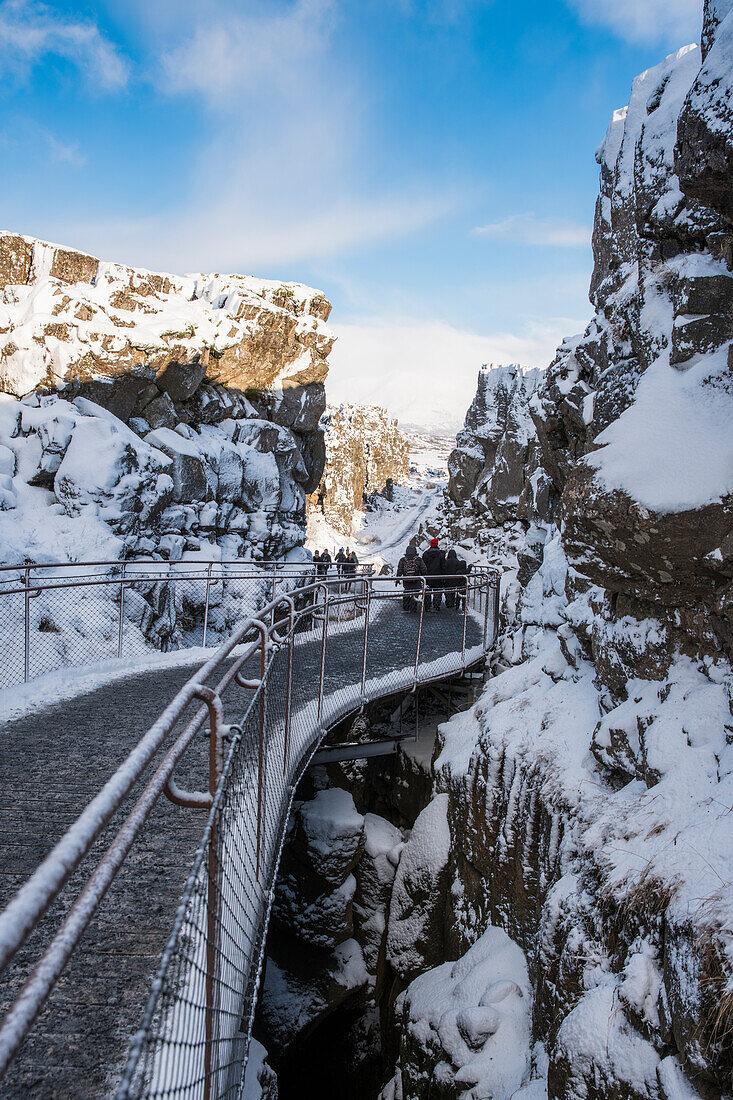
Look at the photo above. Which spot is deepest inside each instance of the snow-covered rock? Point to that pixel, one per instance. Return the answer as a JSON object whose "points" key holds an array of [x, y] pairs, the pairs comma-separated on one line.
{"points": [[144, 391], [364, 452], [66, 316], [416, 931], [466, 1026], [588, 789], [496, 454]]}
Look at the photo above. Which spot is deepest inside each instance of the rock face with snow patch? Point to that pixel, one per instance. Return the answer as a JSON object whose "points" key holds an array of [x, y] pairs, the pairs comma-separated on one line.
{"points": [[182, 413], [580, 787], [496, 453], [634, 416], [326, 947], [364, 450]]}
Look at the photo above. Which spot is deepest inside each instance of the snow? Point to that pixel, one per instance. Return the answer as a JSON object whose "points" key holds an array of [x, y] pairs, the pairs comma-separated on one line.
{"points": [[675, 828], [474, 1017], [255, 1066], [672, 449], [333, 831], [424, 858], [93, 318]]}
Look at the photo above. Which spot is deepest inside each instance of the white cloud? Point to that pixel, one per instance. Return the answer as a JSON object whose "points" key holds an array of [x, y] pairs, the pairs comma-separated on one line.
{"points": [[425, 372], [248, 231], [545, 232], [673, 21], [279, 177], [253, 52], [31, 31]]}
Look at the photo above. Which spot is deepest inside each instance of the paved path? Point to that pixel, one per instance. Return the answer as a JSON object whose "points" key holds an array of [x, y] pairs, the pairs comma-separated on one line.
{"points": [[53, 762]]}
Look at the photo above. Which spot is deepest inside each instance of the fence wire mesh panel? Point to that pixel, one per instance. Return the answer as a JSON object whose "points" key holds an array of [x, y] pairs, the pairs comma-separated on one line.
{"points": [[62, 616], [315, 653]]}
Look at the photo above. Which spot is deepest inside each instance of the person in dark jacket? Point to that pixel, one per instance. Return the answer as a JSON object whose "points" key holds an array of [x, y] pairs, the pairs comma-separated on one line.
{"points": [[410, 568], [349, 566], [324, 564], [340, 560], [456, 572], [434, 560]]}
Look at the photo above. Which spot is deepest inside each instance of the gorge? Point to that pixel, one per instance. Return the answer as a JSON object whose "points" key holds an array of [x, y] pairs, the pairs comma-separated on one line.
{"points": [[570, 920], [532, 899]]}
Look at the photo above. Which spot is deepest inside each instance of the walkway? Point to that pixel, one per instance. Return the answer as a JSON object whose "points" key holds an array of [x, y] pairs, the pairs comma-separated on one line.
{"points": [[53, 762]]}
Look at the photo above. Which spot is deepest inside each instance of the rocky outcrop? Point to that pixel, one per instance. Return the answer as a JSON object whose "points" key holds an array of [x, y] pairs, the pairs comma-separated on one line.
{"points": [[364, 452], [169, 416], [496, 454], [704, 151], [579, 788], [630, 435], [465, 1026], [67, 317], [329, 917]]}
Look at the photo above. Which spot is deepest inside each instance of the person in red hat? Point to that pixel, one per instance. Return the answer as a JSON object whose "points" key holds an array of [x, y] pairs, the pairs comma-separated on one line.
{"points": [[434, 560]]}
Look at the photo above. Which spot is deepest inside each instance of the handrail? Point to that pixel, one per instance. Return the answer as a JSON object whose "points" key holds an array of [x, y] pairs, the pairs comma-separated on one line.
{"points": [[304, 608], [25, 653]]}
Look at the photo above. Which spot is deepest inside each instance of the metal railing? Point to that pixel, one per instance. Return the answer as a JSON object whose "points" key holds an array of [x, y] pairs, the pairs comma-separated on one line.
{"points": [[310, 657], [70, 614]]}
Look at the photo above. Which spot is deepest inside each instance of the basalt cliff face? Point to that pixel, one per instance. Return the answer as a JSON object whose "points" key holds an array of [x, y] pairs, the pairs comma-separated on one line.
{"points": [[165, 415], [365, 451], [587, 794]]}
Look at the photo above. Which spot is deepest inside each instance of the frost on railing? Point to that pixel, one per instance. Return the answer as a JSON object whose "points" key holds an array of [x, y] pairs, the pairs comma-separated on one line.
{"points": [[65, 616], [316, 653]]}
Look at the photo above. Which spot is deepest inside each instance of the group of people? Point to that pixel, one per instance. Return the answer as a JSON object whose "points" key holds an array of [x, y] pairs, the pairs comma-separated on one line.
{"points": [[346, 563], [446, 575]]}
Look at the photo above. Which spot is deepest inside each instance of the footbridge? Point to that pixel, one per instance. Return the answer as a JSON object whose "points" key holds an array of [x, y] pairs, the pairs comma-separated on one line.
{"points": [[144, 797]]}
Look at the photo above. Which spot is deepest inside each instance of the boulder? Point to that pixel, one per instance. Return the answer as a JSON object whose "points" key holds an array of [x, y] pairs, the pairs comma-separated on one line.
{"points": [[300, 407], [416, 928], [187, 468], [181, 380]]}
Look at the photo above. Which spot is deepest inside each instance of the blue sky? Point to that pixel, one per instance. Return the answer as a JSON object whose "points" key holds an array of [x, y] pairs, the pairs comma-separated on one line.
{"points": [[429, 164]]}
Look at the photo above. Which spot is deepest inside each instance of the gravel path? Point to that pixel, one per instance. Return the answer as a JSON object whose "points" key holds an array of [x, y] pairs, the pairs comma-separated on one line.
{"points": [[53, 762]]}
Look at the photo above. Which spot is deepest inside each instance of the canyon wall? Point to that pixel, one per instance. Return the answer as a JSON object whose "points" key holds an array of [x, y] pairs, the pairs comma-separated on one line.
{"points": [[589, 791], [364, 451], [151, 414]]}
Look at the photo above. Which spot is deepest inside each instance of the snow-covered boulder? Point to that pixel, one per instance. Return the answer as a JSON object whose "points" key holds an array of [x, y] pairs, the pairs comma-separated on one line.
{"points": [[466, 1026], [416, 929]]}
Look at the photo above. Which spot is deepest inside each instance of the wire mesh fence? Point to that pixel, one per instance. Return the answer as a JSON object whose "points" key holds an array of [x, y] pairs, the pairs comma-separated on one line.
{"points": [[344, 647], [65, 616], [325, 650]]}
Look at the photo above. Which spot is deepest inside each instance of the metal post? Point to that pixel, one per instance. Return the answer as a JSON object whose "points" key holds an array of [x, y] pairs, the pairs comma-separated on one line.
{"points": [[261, 762], [272, 594], [289, 686], [419, 626], [212, 900], [206, 605], [417, 714], [122, 611], [465, 620], [27, 661], [323, 650], [497, 605], [366, 640], [486, 619]]}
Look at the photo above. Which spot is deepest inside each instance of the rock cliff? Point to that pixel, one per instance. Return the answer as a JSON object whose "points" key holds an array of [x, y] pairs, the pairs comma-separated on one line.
{"points": [[588, 792], [497, 454], [364, 451], [165, 415]]}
